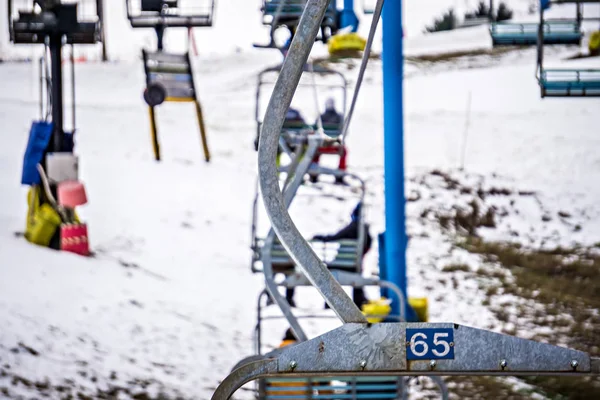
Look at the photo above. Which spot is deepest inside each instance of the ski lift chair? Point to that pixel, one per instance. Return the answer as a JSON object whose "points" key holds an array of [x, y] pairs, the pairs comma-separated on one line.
{"points": [[54, 24], [564, 82], [525, 34], [28, 25], [569, 82], [287, 13], [294, 135], [170, 13], [341, 255], [348, 387], [169, 76]]}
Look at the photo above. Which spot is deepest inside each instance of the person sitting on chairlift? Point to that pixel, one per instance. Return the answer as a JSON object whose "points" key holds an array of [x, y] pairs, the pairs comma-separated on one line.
{"points": [[332, 122], [331, 119], [293, 119], [350, 231]]}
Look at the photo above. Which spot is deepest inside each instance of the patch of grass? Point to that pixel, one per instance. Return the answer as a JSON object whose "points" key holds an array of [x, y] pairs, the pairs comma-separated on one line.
{"points": [[566, 282], [456, 267], [485, 387], [567, 388], [453, 55], [573, 282]]}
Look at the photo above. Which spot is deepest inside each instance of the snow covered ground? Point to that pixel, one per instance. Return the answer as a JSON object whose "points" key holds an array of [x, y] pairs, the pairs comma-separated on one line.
{"points": [[167, 303]]}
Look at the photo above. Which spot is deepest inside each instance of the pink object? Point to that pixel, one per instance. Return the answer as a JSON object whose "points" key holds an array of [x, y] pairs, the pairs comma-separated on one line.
{"points": [[74, 238], [71, 194]]}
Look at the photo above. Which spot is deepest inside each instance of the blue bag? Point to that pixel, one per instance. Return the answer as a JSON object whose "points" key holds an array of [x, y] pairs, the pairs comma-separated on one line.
{"points": [[545, 4], [39, 137]]}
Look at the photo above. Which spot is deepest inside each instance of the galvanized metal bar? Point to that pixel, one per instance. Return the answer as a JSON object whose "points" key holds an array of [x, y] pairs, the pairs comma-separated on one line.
{"points": [[363, 67], [351, 279], [290, 237], [382, 350], [303, 166], [242, 375]]}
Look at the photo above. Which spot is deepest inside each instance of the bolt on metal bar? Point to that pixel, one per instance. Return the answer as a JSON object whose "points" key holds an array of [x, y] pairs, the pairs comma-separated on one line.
{"points": [[291, 239]]}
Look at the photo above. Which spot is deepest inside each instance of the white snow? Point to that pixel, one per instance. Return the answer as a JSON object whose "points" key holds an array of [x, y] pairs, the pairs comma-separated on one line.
{"points": [[169, 296]]}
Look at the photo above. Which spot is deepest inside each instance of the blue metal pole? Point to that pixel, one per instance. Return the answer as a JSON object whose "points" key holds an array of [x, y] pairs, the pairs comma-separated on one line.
{"points": [[348, 16], [393, 113]]}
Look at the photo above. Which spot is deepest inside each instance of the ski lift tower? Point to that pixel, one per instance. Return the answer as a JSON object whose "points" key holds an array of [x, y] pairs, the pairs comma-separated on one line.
{"points": [[169, 76], [54, 24]]}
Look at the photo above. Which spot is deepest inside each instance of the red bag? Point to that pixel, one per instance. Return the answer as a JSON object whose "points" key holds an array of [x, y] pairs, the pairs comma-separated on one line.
{"points": [[74, 238]]}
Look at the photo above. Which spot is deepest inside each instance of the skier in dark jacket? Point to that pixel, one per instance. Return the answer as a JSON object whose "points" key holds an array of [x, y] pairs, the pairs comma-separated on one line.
{"points": [[331, 119], [350, 231], [332, 122]]}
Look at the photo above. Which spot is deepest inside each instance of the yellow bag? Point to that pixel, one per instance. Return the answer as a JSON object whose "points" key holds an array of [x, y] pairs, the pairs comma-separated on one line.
{"points": [[42, 220], [594, 43], [377, 310], [421, 307], [344, 43]]}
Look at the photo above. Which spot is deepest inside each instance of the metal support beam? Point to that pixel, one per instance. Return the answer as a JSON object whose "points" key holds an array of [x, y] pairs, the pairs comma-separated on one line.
{"points": [[291, 239], [100, 12], [401, 349], [57, 92], [393, 115]]}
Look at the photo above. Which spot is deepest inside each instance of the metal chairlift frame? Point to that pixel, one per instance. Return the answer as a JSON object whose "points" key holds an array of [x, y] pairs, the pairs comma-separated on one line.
{"points": [[358, 348], [330, 20], [300, 134], [556, 32], [294, 175], [562, 30], [289, 192], [155, 92], [351, 382], [562, 82], [344, 278], [167, 18]]}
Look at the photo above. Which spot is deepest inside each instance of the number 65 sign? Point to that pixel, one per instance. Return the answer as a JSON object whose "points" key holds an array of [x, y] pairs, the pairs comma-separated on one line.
{"points": [[429, 344]]}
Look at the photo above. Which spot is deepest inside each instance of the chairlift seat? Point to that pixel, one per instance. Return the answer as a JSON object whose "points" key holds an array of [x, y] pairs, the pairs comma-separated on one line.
{"points": [[555, 32], [170, 13], [174, 21], [292, 10], [33, 28], [173, 72], [569, 82], [341, 254]]}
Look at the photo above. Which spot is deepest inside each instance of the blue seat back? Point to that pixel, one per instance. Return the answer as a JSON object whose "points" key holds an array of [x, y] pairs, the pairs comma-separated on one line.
{"points": [[555, 32], [39, 138], [570, 82]]}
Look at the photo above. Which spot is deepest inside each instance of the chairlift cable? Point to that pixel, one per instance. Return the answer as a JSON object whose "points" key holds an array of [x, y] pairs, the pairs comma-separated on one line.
{"points": [[311, 69], [363, 67]]}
